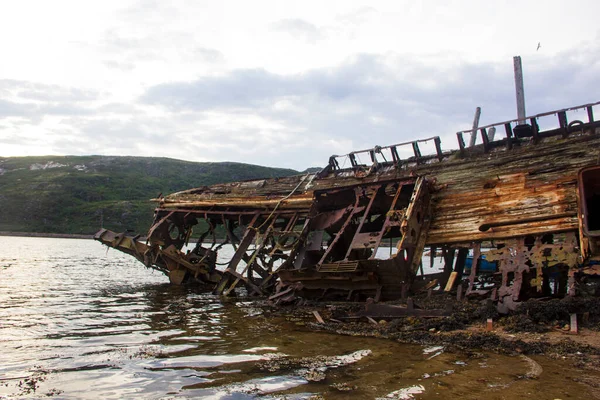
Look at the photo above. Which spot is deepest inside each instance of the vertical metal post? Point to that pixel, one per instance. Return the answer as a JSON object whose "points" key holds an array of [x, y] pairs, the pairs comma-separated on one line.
{"points": [[519, 89]]}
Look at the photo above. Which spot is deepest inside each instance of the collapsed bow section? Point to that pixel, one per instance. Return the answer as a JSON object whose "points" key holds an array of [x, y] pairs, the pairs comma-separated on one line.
{"points": [[359, 240]]}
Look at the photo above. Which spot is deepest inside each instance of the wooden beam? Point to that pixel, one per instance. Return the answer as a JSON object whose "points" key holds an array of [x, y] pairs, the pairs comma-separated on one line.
{"points": [[438, 147], [509, 135], [485, 139], [535, 129], [451, 281], [416, 150], [562, 122], [461, 140], [318, 317], [395, 156], [475, 126]]}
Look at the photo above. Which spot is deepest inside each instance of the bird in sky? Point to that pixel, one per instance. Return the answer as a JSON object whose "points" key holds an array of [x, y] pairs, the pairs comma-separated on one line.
{"points": [[539, 45]]}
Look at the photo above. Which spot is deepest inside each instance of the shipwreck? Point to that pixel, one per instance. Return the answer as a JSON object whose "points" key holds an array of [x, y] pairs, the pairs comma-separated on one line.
{"points": [[513, 217]]}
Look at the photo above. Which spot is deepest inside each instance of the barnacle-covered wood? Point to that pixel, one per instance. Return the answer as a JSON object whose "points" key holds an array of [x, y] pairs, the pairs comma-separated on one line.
{"points": [[527, 190]]}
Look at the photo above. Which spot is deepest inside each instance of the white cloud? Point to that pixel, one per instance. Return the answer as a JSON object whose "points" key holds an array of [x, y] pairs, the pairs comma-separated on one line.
{"points": [[278, 85], [298, 28]]}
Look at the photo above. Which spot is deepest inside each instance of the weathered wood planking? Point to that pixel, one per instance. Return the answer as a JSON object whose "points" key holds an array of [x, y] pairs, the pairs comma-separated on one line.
{"points": [[530, 189], [527, 190]]}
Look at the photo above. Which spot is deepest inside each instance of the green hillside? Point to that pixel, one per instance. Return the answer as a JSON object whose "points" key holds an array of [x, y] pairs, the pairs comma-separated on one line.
{"points": [[76, 195]]}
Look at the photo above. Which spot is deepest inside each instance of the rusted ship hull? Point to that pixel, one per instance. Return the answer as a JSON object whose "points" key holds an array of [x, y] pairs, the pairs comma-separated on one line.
{"points": [[525, 202]]}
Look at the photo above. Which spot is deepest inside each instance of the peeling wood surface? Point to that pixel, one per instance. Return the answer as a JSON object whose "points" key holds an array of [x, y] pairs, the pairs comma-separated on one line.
{"points": [[523, 191], [512, 208], [527, 190]]}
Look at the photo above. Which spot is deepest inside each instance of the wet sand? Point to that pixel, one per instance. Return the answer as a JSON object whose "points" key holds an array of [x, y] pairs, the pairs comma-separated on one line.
{"points": [[554, 362]]}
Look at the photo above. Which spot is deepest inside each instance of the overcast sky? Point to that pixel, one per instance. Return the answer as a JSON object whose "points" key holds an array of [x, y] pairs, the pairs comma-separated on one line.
{"points": [[279, 83]]}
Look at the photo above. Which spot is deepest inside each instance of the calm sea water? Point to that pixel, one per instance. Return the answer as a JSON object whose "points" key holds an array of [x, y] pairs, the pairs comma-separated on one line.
{"points": [[78, 321]]}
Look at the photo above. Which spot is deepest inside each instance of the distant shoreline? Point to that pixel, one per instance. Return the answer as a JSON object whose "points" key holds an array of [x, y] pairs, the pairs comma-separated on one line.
{"points": [[47, 235]]}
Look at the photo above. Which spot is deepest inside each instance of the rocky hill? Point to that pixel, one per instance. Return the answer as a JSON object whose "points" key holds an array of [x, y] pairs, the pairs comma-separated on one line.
{"points": [[78, 195]]}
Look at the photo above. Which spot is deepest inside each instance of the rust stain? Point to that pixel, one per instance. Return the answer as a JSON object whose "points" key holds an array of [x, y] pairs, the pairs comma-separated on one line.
{"points": [[509, 219]]}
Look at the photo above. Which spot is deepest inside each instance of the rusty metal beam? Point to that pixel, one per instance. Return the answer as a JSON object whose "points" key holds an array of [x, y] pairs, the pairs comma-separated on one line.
{"points": [[503, 202], [364, 217]]}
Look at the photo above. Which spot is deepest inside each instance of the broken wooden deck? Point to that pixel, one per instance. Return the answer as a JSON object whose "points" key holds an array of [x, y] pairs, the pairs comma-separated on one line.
{"points": [[513, 200]]}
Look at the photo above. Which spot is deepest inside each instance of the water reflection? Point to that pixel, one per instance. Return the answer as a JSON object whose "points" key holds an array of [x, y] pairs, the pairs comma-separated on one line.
{"points": [[78, 322]]}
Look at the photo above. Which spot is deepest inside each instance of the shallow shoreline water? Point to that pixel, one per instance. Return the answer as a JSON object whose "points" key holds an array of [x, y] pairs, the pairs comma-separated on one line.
{"points": [[46, 235], [78, 321]]}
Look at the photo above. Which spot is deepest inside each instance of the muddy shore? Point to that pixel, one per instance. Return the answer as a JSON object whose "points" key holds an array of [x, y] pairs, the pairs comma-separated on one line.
{"points": [[538, 328]]}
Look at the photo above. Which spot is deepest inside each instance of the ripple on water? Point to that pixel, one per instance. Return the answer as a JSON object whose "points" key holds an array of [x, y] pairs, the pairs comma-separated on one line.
{"points": [[81, 322]]}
